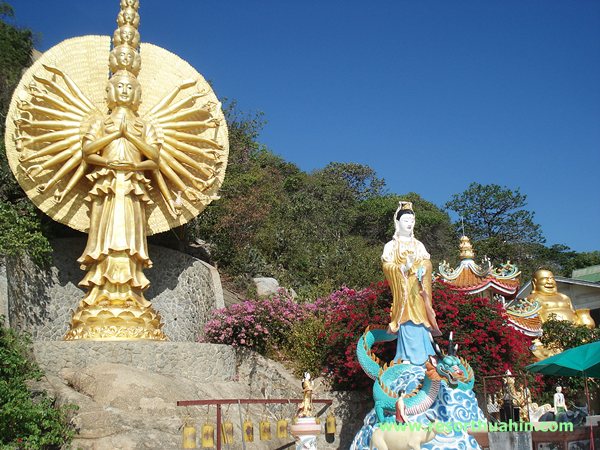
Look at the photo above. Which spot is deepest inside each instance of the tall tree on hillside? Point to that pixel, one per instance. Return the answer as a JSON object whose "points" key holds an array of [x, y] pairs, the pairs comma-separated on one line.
{"points": [[360, 179], [501, 228], [434, 228], [495, 212], [16, 46]]}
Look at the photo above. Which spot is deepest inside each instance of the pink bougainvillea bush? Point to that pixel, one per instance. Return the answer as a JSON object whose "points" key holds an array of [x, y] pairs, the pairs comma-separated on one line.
{"points": [[256, 324], [479, 325]]}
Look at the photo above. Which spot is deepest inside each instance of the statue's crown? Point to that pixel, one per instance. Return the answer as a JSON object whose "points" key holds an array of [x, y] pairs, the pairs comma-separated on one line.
{"points": [[124, 56], [404, 205]]}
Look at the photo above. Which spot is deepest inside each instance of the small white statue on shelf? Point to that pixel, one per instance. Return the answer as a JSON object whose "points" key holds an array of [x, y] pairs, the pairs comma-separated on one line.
{"points": [[559, 401]]}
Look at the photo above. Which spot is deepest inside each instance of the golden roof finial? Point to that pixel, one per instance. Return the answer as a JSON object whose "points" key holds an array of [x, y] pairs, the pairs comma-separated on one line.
{"points": [[466, 249]]}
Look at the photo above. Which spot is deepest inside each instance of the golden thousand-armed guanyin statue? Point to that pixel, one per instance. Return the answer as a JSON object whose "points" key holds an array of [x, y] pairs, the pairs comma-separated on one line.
{"points": [[103, 158]]}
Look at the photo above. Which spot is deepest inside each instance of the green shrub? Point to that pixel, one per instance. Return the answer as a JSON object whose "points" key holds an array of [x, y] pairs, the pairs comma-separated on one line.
{"points": [[20, 232], [305, 349], [29, 421]]}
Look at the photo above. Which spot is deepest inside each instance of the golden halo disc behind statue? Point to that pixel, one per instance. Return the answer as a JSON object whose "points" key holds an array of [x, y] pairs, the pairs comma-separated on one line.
{"points": [[82, 150], [84, 60]]}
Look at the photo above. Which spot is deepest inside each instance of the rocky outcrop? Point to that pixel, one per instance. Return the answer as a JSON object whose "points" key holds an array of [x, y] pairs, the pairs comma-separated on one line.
{"points": [[265, 286], [126, 391], [197, 362], [268, 287], [133, 405]]}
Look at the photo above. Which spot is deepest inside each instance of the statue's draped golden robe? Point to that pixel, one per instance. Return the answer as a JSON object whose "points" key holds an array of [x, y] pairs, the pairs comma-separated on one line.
{"points": [[408, 304], [117, 250]]}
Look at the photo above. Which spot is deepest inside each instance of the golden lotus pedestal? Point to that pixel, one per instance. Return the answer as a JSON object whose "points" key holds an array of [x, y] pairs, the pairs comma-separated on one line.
{"points": [[110, 322]]}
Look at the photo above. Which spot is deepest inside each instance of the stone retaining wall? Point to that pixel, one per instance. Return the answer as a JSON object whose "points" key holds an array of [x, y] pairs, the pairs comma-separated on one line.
{"points": [[183, 290]]}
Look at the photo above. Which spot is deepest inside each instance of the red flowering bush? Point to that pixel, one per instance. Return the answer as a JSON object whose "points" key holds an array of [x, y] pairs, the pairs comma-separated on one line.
{"points": [[349, 312], [480, 328], [482, 333]]}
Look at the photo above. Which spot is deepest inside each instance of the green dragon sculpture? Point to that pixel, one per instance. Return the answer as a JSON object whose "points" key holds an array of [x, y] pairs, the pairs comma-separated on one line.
{"points": [[448, 368]]}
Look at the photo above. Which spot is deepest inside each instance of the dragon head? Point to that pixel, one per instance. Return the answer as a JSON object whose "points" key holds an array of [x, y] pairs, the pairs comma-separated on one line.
{"points": [[450, 368]]}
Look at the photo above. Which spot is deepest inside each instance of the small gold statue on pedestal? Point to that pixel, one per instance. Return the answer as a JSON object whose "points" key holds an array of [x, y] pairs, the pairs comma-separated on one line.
{"points": [[306, 427], [110, 167], [306, 408]]}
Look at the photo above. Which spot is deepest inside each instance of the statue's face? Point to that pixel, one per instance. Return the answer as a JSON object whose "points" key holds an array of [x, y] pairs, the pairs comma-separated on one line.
{"points": [[127, 34], [124, 91], [406, 224], [129, 15], [544, 282], [125, 57]]}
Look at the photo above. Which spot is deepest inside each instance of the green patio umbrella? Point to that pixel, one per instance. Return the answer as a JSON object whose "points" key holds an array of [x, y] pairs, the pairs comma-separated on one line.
{"points": [[582, 361]]}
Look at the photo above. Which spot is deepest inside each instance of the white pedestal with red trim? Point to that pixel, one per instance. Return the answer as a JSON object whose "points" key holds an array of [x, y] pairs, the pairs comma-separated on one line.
{"points": [[305, 432]]}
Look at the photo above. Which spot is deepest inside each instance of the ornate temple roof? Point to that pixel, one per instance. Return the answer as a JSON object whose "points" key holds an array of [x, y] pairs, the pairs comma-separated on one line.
{"points": [[472, 278], [523, 314]]}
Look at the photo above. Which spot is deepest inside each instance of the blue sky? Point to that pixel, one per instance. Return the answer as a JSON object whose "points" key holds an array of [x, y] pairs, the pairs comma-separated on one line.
{"points": [[432, 94]]}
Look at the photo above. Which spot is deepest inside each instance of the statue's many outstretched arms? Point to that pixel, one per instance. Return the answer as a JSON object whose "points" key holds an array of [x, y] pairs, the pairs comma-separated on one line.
{"points": [[61, 131]]}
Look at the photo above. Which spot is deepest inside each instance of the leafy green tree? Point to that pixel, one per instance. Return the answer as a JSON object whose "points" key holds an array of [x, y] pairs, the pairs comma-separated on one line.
{"points": [[16, 46], [361, 180], [572, 260], [563, 335], [15, 54], [20, 223], [20, 232], [500, 227], [495, 212]]}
